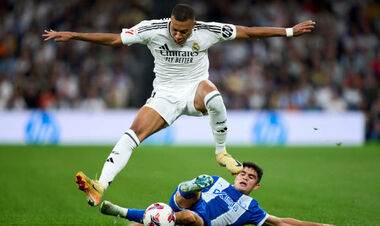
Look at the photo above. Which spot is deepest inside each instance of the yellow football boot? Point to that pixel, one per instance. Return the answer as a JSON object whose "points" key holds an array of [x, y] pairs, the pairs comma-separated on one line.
{"points": [[93, 189], [224, 159]]}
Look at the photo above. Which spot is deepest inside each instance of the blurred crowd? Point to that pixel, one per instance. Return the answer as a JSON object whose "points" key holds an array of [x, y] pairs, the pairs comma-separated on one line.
{"points": [[335, 68]]}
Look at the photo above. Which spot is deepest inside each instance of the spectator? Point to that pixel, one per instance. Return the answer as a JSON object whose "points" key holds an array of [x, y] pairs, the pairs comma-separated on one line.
{"points": [[336, 68]]}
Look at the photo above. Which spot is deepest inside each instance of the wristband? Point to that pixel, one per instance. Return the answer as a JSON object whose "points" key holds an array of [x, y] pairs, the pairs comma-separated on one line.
{"points": [[289, 32]]}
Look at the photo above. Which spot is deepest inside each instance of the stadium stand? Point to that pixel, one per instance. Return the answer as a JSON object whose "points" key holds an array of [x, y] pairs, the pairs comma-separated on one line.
{"points": [[336, 68]]}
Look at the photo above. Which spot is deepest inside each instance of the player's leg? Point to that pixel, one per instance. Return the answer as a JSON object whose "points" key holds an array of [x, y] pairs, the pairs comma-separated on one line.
{"points": [[188, 217], [108, 208], [195, 185], [208, 99], [188, 192], [182, 217], [146, 122]]}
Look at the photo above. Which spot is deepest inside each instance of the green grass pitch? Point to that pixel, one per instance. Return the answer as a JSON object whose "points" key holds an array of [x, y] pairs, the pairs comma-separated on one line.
{"points": [[338, 185]]}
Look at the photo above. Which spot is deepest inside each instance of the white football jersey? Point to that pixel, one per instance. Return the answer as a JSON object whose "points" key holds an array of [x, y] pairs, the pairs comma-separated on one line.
{"points": [[174, 64]]}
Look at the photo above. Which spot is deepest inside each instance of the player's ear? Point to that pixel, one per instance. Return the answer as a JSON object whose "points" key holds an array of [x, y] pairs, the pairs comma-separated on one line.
{"points": [[257, 186]]}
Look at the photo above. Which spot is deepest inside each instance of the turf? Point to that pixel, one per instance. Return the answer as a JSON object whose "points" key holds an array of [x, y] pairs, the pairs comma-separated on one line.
{"points": [[338, 185]]}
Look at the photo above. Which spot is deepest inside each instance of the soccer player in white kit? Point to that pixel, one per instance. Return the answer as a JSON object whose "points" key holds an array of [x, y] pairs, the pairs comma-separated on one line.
{"points": [[179, 46]]}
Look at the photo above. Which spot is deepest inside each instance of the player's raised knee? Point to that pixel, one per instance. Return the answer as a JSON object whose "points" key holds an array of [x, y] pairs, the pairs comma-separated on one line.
{"points": [[214, 102]]}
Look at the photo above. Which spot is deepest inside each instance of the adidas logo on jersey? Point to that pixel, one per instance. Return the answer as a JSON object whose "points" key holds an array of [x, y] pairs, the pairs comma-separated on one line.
{"points": [[164, 47]]}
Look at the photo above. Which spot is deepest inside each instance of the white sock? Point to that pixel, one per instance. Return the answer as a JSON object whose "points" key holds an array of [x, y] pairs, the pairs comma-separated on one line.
{"points": [[218, 119], [119, 157], [122, 211]]}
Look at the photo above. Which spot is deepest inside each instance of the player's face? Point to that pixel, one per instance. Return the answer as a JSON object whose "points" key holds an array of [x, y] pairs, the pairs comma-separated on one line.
{"points": [[246, 181], [181, 30]]}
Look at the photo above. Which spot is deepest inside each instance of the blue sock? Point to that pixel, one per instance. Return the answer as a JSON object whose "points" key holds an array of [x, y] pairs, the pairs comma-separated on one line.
{"points": [[186, 195], [135, 215]]}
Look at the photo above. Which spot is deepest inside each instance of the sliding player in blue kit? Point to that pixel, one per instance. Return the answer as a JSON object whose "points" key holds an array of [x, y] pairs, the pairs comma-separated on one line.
{"points": [[179, 45], [211, 200]]}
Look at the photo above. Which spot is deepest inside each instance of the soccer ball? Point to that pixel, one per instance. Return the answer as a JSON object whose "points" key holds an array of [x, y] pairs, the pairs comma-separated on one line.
{"points": [[159, 214]]}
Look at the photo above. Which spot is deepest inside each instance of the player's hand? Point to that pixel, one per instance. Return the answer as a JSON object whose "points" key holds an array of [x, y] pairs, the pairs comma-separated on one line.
{"points": [[303, 28], [62, 36]]}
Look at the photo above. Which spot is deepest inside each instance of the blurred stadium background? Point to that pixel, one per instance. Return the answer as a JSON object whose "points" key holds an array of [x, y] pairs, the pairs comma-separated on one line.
{"points": [[336, 68], [333, 71]]}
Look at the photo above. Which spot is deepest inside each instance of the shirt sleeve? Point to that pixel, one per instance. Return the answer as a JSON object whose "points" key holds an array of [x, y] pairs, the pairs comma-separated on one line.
{"points": [[258, 215], [228, 32], [219, 31], [132, 35]]}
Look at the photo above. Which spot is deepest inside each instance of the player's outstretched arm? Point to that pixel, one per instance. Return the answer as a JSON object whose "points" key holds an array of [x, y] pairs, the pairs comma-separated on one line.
{"points": [[264, 32], [99, 38], [274, 221]]}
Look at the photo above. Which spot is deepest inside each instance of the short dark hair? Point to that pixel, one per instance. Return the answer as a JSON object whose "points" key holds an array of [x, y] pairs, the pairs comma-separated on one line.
{"points": [[183, 12], [255, 167]]}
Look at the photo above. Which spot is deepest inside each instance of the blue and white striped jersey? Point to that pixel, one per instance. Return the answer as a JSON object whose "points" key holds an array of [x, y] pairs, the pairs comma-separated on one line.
{"points": [[227, 206]]}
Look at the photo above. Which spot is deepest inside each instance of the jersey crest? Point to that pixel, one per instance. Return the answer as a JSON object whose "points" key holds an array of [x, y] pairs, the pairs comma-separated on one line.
{"points": [[195, 47]]}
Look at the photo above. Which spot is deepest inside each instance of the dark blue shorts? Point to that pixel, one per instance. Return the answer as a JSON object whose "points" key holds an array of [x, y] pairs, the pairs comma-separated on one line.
{"points": [[199, 208]]}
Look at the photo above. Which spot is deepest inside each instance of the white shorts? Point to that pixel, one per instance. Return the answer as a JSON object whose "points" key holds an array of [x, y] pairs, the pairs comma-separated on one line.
{"points": [[174, 102]]}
